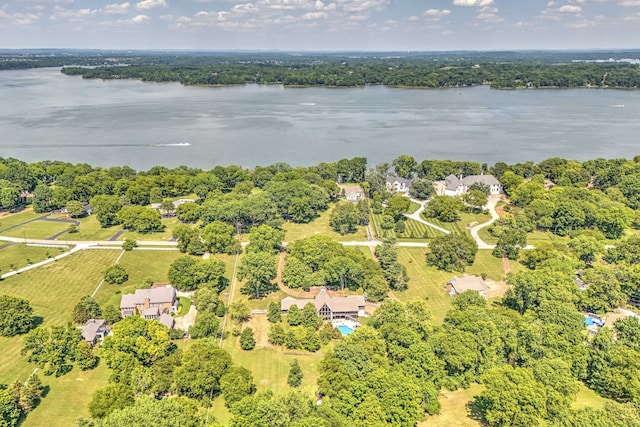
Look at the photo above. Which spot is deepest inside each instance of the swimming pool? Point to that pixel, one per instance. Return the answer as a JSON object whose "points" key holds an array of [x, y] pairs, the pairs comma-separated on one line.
{"points": [[345, 330]]}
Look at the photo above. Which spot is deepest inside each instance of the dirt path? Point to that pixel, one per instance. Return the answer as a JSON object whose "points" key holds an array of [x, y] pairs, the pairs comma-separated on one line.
{"points": [[506, 267]]}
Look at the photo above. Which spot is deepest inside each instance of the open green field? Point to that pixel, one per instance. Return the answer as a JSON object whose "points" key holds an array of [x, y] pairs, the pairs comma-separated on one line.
{"points": [[8, 220], [67, 398], [461, 226], [53, 290], [166, 234], [454, 410], [37, 229], [414, 230], [320, 225], [20, 254], [588, 398], [90, 229], [428, 283]]}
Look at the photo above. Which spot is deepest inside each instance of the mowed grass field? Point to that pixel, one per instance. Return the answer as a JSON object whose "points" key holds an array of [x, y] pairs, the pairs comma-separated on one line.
{"points": [[37, 229], [428, 283], [8, 220], [414, 230], [20, 254], [466, 221], [53, 291], [454, 411], [320, 225]]}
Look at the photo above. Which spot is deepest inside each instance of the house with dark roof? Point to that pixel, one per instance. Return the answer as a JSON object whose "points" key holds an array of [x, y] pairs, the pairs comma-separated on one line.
{"points": [[328, 307], [94, 330], [457, 285], [150, 303], [397, 184], [457, 186]]}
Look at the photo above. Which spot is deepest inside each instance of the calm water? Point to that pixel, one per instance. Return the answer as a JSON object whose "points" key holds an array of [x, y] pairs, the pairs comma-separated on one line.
{"points": [[46, 115]]}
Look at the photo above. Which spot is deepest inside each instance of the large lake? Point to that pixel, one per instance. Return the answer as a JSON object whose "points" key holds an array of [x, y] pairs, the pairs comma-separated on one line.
{"points": [[47, 115]]}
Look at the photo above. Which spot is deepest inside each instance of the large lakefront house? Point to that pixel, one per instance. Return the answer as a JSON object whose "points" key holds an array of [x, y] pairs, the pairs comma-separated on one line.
{"points": [[152, 304], [457, 186], [328, 307], [397, 184]]}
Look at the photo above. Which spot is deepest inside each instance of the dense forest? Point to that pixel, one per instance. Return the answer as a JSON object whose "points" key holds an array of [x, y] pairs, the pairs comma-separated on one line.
{"points": [[500, 70], [529, 349]]}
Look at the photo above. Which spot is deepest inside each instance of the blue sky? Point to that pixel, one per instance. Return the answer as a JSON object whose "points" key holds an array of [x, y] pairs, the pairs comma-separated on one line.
{"points": [[377, 25]]}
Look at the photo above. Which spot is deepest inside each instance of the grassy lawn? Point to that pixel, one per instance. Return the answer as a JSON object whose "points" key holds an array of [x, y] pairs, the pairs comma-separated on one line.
{"points": [[9, 220], [320, 225], [414, 230], [67, 398], [413, 206], [37, 229], [185, 305], [166, 234], [588, 398], [19, 253], [462, 225], [428, 282], [454, 410], [486, 237], [90, 229], [54, 289]]}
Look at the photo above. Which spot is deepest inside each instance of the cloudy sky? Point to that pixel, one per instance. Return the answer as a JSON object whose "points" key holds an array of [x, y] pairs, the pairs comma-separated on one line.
{"points": [[320, 24]]}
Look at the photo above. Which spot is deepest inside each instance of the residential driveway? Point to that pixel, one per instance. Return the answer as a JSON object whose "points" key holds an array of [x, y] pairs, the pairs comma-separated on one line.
{"points": [[491, 206], [416, 217], [187, 321]]}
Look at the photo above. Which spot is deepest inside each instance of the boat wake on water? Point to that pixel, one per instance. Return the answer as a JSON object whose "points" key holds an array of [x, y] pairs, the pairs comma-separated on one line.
{"points": [[175, 144]]}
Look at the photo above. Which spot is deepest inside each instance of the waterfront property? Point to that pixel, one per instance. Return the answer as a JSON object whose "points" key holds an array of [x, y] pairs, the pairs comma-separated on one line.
{"points": [[352, 193], [397, 184], [457, 285], [328, 307], [457, 186], [150, 303], [94, 330]]}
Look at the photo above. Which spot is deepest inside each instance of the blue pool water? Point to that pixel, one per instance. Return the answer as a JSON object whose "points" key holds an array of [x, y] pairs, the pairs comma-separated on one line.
{"points": [[345, 330], [589, 321]]}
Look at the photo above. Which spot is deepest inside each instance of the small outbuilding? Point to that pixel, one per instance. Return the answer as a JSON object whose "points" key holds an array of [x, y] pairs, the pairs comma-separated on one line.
{"points": [[457, 285], [94, 330]]}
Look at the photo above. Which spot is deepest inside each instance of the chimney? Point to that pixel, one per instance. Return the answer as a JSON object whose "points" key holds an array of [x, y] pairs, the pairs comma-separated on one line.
{"points": [[147, 302]]}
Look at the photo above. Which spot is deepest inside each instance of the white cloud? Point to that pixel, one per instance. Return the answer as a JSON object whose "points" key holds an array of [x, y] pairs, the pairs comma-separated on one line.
{"points": [[437, 12], [74, 15], [140, 19], [166, 17], [151, 4], [361, 5], [314, 15], [630, 3], [116, 9], [242, 9], [569, 8], [478, 3]]}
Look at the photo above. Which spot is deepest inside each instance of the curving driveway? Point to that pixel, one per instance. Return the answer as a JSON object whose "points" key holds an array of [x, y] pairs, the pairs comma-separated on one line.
{"points": [[491, 206]]}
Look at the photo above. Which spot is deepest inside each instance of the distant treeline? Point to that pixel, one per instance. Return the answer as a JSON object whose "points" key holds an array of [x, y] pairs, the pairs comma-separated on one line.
{"points": [[403, 72], [501, 70]]}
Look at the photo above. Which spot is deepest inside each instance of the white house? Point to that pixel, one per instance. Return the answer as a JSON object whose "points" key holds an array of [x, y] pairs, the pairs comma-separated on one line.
{"points": [[397, 184], [352, 193], [457, 186]]}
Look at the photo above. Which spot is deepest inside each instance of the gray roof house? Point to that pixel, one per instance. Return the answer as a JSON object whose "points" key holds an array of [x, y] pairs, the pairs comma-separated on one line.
{"points": [[457, 186], [94, 330], [150, 303], [329, 307], [352, 193], [457, 285], [397, 184]]}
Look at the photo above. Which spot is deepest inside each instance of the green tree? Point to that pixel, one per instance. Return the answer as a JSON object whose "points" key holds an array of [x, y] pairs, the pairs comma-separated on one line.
{"points": [[75, 209], [421, 188], [295, 273], [586, 247], [106, 209], [274, 313], [206, 325], [396, 206], [239, 311], [147, 411], [111, 314], [201, 368], [9, 410], [139, 218], [115, 275], [512, 397], [344, 218], [294, 316], [54, 349], [110, 398], [294, 379], [43, 199], [236, 384], [87, 308], [16, 316], [144, 341], [344, 272], [258, 269], [444, 208], [452, 252], [475, 199], [404, 166], [265, 238], [129, 244], [276, 334], [220, 238], [206, 300], [247, 342], [30, 393]]}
